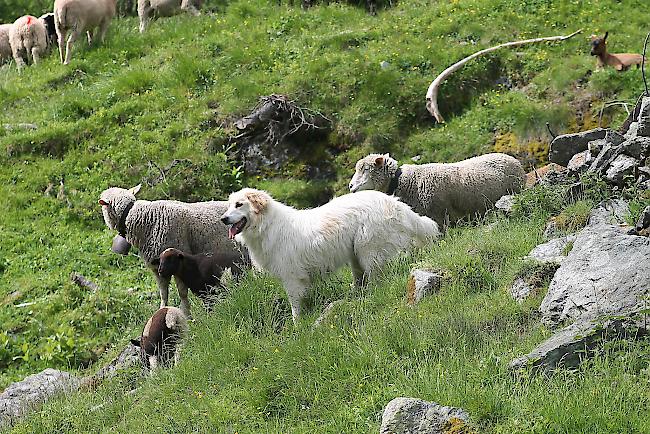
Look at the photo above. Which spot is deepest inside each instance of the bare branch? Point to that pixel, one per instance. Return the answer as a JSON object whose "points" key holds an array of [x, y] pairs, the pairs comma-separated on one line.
{"points": [[432, 92]]}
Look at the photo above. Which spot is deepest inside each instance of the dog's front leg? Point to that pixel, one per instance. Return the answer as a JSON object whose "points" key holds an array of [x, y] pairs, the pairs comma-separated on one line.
{"points": [[297, 293]]}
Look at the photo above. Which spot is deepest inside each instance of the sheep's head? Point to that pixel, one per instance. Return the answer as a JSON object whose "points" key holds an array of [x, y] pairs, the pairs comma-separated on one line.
{"points": [[245, 210], [599, 45], [373, 172], [114, 201], [169, 262]]}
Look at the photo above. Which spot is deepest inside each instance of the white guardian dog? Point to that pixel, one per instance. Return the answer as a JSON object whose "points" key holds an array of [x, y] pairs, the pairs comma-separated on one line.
{"points": [[364, 230]]}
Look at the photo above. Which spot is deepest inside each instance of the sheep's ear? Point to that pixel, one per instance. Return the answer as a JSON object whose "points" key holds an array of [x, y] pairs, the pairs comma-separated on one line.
{"points": [[379, 161], [102, 202], [605, 37], [135, 189], [136, 342]]}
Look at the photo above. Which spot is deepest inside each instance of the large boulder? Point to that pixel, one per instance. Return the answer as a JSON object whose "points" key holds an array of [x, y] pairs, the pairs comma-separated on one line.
{"points": [[622, 167], [553, 251], [415, 416], [21, 397], [567, 145]]}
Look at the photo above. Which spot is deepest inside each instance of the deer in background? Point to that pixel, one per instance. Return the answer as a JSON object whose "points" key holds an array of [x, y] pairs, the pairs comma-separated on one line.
{"points": [[620, 62]]}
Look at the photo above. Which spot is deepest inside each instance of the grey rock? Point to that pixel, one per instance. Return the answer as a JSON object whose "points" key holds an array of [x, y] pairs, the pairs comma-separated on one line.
{"points": [[643, 223], [384, 64], [129, 357], [595, 146], [632, 130], [622, 167], [637, 147], [644, 118], [614, 138], [415, 416], [552, 251], [606, 156], [20, 126], [551, 230], [571, 345], [567, 145], [505, 203], [610, 212], [20, 398], [520, 290], [422, 282], [327, 312], [580, 162]]}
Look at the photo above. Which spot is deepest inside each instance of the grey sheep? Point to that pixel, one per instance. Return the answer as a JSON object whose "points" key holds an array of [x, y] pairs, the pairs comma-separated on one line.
{"points": [[165, 8], [153, 227], [79, 16], [28, 40], [445, 192], [5, 46]]}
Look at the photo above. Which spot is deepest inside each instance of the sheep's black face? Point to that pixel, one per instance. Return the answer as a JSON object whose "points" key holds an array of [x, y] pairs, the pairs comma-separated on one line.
{"points": [[170, 262]]}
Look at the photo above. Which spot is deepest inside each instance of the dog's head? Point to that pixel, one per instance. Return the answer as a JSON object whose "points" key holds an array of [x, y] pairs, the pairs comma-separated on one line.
{"points": [[114, 201], [373, 173], [169, 262], [598, 44], [245, 210]]}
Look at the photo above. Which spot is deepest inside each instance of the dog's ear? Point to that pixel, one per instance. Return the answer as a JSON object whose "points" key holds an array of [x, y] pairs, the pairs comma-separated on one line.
{"points": [[102, 202], [605, 37], [379, 161], [136, 342], [258, 200], [135, 189]]}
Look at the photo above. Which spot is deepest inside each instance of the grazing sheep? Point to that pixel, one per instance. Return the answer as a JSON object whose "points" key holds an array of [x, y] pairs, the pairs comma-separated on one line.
{"points": [[161, 336], [155, 226], [148, 9], [28, 40], [5, 46], [442, 190], [78, 16], [201, 273], [50, 28], [620, 62]]}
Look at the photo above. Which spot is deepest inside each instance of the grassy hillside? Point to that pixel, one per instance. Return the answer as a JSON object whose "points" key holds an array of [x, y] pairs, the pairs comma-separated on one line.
{"points": [[121, 112]]}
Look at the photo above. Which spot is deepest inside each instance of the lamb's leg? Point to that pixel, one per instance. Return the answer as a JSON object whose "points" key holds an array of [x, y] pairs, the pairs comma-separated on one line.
{"points": [[68, 48], [20, 62], [182, 292], [36, 54], [188, 6], [61, 39], [163, 288], [177, 356], [153, 364], [297, 293]]}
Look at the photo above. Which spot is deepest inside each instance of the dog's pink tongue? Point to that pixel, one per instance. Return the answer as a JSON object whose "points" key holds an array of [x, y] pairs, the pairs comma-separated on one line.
{"points": [[231, 232]]}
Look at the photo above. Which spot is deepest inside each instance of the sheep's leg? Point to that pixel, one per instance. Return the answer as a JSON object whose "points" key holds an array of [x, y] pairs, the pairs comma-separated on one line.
{"points": [[36, 54], [90, 37], [144, 13], [153, 364], [20, 62], [177, 356], [68, 48], [188, 6], [163, 288], [297, 293], [61, 39], [103, 28], [182, 292]]}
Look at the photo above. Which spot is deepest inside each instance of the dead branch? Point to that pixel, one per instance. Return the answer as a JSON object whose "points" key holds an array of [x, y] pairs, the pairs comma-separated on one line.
{"points": [[81, 281], [432, 92]]}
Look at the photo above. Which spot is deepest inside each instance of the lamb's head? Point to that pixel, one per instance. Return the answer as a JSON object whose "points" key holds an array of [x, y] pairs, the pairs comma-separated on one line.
{"points": [[169, 262], [599, 45], [245, 210], [114, 201], [373, 172], [48, 21]]}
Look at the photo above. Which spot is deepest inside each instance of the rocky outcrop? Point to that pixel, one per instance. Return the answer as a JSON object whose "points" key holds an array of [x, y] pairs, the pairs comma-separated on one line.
{"points": [[415, 416], [554, 251], [567, 145], [26, 395], [422, 282], [601, 288]]}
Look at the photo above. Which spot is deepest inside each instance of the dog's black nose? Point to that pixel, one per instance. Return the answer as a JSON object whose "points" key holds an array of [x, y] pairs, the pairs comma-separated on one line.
{"points": [[224, 220]]}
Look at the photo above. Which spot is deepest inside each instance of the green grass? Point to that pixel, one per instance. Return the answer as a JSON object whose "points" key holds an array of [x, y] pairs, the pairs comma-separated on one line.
{"points": [[121, 112]]}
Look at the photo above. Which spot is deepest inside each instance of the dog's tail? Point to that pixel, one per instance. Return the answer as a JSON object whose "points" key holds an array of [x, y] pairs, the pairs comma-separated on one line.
{"points": [[426, 230]]}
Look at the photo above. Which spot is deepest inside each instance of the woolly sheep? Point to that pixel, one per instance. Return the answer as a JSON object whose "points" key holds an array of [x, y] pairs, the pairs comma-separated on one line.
{"points": [[28, 40], [153, 227], [442, 191], [5, 46], [201, 273], [165, 8], [78, 16], [161, 337]]}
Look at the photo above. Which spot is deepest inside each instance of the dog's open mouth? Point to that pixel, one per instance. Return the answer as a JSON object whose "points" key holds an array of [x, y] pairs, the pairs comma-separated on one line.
{"points": [[236, 228]]}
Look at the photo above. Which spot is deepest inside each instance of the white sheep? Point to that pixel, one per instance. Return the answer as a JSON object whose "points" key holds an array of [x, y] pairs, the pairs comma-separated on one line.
{"points": [[5, 46], [28, 40], [155, 226], [148, 9], [78, 16], [445, 192]]}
